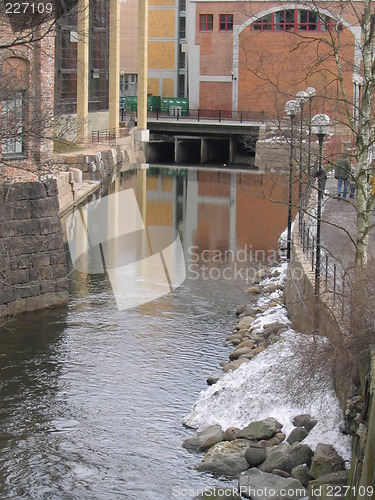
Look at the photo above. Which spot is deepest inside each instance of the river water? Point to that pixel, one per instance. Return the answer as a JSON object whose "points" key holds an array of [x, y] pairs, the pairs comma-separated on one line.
{"points": [[93, 398]]}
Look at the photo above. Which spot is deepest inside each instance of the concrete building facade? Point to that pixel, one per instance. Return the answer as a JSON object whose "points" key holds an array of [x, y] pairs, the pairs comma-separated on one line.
{"points": [[87, 69], [167, 61]]}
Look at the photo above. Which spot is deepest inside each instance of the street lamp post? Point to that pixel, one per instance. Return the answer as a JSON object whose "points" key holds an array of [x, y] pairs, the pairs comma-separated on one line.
{"points": [[302, 97], [311, 92], [291, 109], [358, 82], [320, 125]]}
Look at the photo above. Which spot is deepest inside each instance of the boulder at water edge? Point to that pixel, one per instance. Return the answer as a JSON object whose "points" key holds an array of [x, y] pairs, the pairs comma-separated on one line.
{"points": [[326, 460], [305, 420], [262, 429], [297, 435], [255, 454], [286, 457], [226, 458], [203, 440], [259, 485], [245, 322], [301, 472], [212, 379], [326, 486]]}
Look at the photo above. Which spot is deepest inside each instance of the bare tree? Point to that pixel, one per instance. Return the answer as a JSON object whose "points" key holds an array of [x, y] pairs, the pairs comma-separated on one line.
{"points": [[329, 48], [31, 21]]}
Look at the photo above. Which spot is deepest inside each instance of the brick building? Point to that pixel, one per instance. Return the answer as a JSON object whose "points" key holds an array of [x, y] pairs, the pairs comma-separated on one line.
{"points": [[57, 78], [256, 55], [26, 94]]}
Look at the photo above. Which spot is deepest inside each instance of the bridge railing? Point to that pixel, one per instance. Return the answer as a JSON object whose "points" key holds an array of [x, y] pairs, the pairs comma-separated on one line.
{"points": [[178, 113], [109, 135]]}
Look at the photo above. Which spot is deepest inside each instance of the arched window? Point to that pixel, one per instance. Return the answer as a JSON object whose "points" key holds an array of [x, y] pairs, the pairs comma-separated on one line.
{"points": [[296, 20]]}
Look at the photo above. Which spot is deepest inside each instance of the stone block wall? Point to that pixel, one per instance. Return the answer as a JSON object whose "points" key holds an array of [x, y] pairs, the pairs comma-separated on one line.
{"points": [[33, 269], [97, 165], [66, 189]]}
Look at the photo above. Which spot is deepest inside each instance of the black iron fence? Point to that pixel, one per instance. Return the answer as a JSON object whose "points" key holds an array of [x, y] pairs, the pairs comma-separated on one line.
{"points": [[109, 135], [335, 279], [178, 113]]}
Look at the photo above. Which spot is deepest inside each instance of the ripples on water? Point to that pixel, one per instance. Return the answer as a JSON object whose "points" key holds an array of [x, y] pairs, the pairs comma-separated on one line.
{"points": [[93, 399]]}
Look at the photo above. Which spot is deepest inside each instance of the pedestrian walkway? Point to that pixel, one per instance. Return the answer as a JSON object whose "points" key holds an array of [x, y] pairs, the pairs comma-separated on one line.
{"points": [[339, 226]]}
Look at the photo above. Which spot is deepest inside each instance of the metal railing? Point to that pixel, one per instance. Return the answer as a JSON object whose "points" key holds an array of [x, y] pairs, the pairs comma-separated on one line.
{"points": [[178, 113], [109, 135], [335, 279]]}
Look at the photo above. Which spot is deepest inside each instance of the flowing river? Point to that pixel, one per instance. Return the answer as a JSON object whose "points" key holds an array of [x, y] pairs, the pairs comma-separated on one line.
{"points": [[93, 398]]}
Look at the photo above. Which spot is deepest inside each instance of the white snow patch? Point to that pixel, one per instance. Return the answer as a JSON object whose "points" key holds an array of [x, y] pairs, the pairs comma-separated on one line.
{"points": [[277, 314], [271, 385]]}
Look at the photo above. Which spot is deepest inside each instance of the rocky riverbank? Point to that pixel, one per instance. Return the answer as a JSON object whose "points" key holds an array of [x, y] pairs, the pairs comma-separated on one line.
{"points": [[274, 453]]}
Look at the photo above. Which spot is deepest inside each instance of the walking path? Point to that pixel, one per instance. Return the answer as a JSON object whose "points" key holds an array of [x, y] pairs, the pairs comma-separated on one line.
{"points": [[340, 215]]}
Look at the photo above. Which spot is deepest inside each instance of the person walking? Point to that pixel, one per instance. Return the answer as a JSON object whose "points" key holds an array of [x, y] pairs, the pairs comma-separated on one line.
{"points": [[342, 173]]}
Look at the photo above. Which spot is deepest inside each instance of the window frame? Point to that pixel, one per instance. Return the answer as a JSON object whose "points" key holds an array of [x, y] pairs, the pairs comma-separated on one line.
{"points": [[228, 23], [209, 23], [18, 140], [321, 24]]}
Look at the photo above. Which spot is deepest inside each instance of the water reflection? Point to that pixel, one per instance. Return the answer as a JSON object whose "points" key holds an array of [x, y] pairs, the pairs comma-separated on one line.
{"points": [[92, 399]]}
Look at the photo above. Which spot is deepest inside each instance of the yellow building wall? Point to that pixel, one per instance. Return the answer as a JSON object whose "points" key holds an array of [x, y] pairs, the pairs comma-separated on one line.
{"points": [[161, 55], [161, 3], [153, 86], [168, 87], [161, 23]]}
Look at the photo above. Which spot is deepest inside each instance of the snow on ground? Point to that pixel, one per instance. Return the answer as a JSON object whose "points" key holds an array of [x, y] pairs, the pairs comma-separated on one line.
{"points": [[280, 382]]}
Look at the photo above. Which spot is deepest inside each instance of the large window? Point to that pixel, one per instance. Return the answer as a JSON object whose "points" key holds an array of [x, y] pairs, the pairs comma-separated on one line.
{"points": [[66, 59], [99, 56], [128, 84], [294, 20], [226, 22], [206, 22], [12, 112]]}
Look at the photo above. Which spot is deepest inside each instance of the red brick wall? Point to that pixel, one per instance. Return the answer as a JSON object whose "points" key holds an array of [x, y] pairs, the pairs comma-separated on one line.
{"points": [[216, 95], [273, 66], [276, 65]]}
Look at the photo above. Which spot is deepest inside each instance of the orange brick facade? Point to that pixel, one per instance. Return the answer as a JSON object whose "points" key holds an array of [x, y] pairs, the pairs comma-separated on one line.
{"points": [[254, 70]]}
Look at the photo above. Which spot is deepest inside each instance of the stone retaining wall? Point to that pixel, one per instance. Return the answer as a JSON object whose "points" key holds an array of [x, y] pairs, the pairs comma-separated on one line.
{"points": [[97, 164], [87, 171], [33, 266], [66, 189]]}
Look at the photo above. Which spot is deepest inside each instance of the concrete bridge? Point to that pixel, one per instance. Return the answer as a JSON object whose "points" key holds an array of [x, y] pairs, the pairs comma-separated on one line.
{"points": [[201, 142]]}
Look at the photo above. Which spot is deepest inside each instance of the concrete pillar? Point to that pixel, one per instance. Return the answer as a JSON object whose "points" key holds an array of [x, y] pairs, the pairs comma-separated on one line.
{"points": [[176, 150], [142, 134], [83, 70], [114, 64], [204, 150], [232, 149]]}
